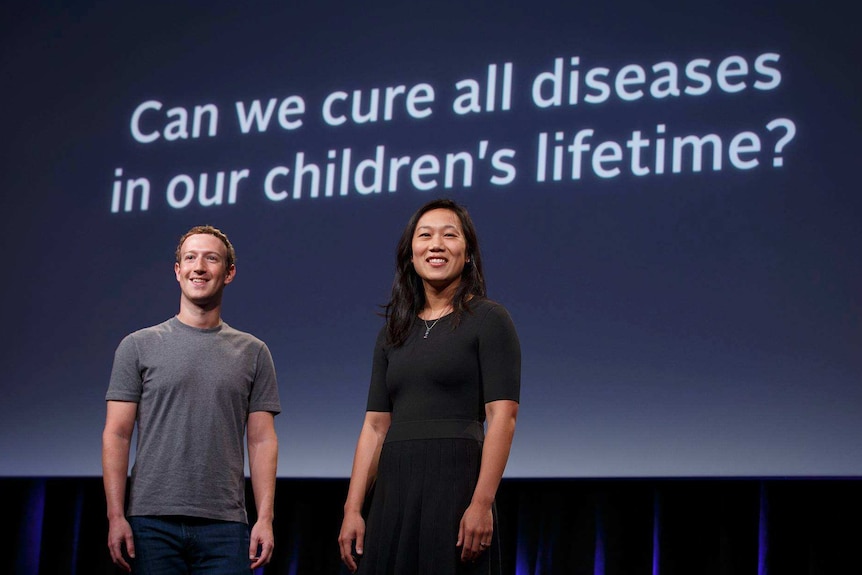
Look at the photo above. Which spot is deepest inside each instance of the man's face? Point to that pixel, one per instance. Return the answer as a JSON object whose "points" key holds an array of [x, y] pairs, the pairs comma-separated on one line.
{"points": [[202, 271]]}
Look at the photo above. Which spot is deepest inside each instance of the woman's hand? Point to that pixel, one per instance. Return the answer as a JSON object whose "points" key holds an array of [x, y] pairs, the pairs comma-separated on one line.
{"points": [[475, 531], [351, 540]]}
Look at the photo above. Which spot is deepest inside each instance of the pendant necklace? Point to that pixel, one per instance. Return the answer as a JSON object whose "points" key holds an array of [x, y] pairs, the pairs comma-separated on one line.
{"points": [[433, 323]]}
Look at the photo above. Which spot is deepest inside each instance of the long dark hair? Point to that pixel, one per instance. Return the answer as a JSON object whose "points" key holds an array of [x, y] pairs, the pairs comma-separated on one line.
{"points": [[408, 294]]}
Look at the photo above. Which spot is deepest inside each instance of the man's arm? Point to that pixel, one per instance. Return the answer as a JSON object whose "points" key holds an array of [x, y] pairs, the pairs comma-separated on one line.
{"points": [[262, 464], [116, 445]]}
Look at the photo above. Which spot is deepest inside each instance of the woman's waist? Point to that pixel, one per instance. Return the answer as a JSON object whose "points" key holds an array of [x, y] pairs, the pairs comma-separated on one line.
{"points": [[436, 429]]}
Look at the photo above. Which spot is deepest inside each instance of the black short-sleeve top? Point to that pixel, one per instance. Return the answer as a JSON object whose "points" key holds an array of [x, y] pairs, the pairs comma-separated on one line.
{"points": [[451, 373]]}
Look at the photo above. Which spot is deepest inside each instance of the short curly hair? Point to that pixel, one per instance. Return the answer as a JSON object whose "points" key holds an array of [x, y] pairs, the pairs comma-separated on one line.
{"points": [[213, 231]]}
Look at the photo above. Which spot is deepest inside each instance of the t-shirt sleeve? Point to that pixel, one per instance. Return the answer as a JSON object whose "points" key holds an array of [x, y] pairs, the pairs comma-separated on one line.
{"points": [[126, 382], [499, 356], [264, 392], [378, 394]]}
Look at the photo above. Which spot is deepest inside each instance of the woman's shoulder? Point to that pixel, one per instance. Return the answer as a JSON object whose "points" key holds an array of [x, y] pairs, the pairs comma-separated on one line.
{"points": [[484, 309], [480, 305]]}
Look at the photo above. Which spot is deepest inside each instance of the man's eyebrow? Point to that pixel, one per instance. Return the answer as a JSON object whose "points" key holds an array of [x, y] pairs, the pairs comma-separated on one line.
{"points": [[205, 252]]}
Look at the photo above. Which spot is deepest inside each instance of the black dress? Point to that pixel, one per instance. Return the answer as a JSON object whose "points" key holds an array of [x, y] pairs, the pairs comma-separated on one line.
{"points": [[436, 389]]}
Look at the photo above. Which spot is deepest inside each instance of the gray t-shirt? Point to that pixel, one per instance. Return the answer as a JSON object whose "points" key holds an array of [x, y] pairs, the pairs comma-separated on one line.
{"points": [[194, 389]]}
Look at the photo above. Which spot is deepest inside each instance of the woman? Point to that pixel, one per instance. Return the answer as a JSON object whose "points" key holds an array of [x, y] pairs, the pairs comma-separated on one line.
{"points": [[446, 362]]}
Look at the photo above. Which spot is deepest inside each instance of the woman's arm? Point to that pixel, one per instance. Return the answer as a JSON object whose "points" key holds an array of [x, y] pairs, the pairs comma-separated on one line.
{"points": [[362, 475], [477, 524]]}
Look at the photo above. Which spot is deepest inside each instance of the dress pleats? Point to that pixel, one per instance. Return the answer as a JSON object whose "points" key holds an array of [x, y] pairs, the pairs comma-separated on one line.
{"points": [[423, 488]]}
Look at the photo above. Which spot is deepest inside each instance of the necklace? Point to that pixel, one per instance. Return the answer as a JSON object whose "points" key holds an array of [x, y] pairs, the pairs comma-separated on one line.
{"points": [[433, 323], [428, 327]]}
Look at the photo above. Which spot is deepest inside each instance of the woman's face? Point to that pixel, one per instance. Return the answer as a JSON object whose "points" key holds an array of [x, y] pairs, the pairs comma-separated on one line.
{"points": [[439, 248]]}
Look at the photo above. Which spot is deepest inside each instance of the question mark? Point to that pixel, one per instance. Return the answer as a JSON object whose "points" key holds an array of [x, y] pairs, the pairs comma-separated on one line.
{"points": [[790, 128]]}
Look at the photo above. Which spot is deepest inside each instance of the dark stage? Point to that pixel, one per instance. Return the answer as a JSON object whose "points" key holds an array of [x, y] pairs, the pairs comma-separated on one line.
{"points": [[778, 526]]}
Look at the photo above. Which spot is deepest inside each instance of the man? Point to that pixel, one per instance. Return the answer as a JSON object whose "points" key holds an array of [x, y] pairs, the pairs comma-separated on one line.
{"points": [[196, 387]]}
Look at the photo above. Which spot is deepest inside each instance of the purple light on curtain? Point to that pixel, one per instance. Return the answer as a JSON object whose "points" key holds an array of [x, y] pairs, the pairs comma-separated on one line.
{"points": [[599, 555], [544, 552], [31, 530], [76, 529], [656, 535], [294, 561], [522, 564], [763, 534]]}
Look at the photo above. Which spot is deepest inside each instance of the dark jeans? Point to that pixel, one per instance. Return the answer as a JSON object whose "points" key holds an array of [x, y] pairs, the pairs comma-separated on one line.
{"points": [[177, 545]]}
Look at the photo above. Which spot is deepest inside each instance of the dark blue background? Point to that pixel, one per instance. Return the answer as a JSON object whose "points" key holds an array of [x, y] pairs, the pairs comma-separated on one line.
{"points": [[691, 324]]}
